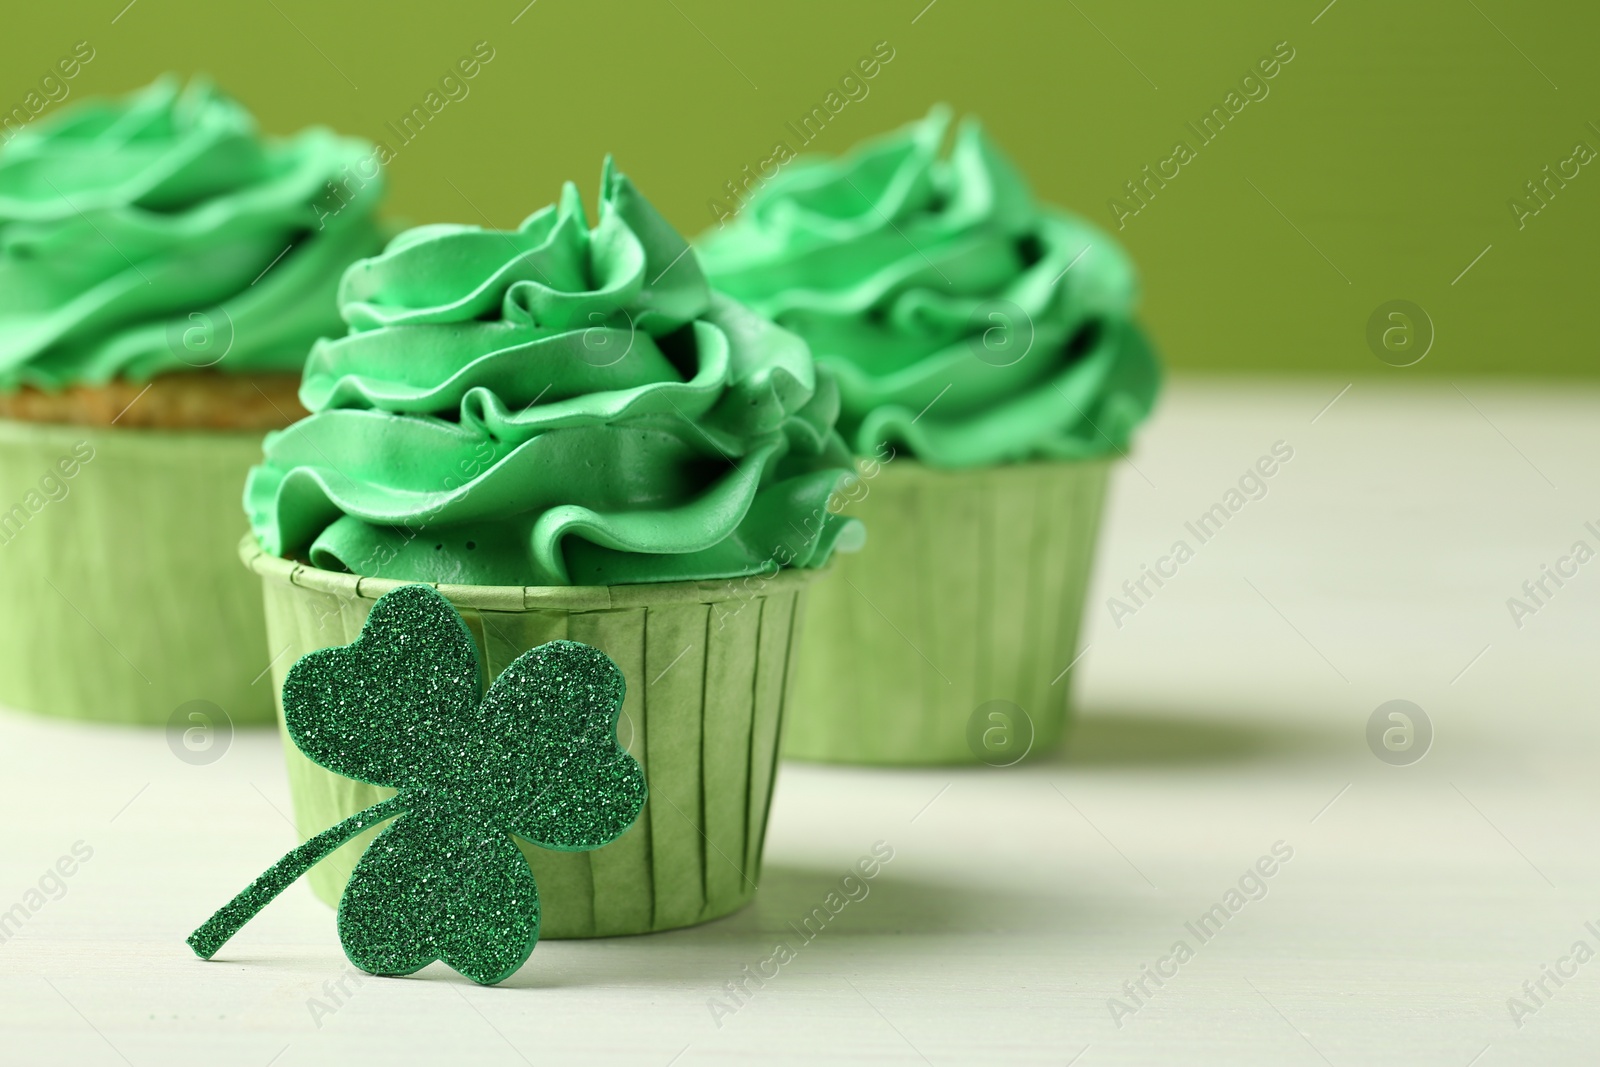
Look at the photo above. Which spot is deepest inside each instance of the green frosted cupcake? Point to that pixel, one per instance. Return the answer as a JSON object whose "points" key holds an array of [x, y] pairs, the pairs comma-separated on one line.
{"points": [[989, 365], [163, 270], [572, 436]]}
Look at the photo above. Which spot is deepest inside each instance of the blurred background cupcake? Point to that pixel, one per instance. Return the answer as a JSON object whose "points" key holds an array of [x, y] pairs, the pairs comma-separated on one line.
{"points": [[572, 436], [164, 269], [990, 368]]}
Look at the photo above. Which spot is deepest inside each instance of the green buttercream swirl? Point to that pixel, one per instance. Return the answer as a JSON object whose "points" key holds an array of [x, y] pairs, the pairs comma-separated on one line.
{"points": [[553, 405], [120, 218], [963, 321]]}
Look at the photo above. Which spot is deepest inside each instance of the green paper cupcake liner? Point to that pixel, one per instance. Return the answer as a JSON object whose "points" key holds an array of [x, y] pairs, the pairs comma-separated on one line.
{"points": [[123, 599], [948, 638], [708, 670]]}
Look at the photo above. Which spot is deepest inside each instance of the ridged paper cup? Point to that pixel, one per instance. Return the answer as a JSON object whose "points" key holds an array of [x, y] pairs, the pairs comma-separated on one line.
{"points": [[708, 668], [120, 594], [948, 638]]}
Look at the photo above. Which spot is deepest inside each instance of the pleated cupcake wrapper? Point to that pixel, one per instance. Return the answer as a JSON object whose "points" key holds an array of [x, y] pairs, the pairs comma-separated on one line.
{"points": [[970, 590], [121, 597], [708, 667]]}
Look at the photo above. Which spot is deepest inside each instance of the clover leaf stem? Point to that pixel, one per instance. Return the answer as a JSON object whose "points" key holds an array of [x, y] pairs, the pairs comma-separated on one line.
{"points": [[232, 916]]}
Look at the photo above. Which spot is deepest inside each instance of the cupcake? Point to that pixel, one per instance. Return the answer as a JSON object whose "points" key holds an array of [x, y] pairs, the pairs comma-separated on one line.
{"points": [[569, 434], [163, 271], [989, 368]]}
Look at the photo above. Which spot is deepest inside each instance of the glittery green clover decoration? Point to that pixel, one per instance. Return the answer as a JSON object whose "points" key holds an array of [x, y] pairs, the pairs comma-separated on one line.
{"points": [[537, 756]]}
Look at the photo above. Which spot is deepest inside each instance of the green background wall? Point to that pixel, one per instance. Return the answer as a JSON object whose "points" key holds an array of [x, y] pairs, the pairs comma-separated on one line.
{"points": [[1379, 166]]}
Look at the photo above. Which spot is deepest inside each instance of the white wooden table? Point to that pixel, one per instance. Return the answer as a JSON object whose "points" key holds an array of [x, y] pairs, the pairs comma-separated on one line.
{"points": [[1227, 714]]}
